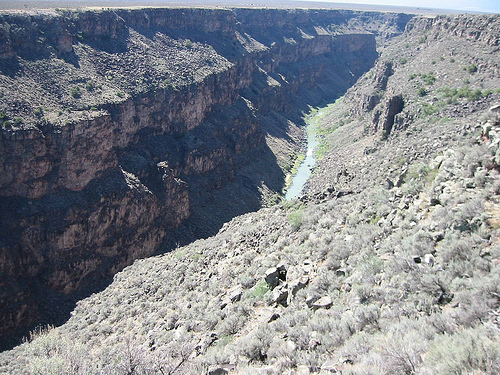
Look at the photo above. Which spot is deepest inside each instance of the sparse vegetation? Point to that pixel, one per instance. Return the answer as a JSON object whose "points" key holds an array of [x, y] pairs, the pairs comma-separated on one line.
{"points": [[38, 112], [421, 91], [471, 68], [90, 86], [76, 92], [463, 92], [295, 219], [429, 78]]}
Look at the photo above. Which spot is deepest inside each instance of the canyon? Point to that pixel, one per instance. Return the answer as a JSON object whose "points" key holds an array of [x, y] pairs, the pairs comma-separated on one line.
{"points": [[130, 132], [388, 261]]}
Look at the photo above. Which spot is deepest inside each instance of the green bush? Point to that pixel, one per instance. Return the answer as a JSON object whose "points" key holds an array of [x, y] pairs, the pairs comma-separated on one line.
{"points": [[38, 112], [421, 91], [76, 92], [295, 219], [471, 68], [428, 79], [260, 290], [90, 86]]}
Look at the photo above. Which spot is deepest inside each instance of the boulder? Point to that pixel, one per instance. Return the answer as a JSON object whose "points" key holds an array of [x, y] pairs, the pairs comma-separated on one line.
{"points": [[268, 315], [429, 259], [307, 266], [298, 284], [275, 275], [323, 303], [218, 370], [295, 286], [234, 295], [280, 295], [329, 367], [495, 108]]}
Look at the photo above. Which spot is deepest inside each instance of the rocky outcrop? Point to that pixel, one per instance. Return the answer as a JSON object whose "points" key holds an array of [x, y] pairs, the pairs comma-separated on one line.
{"points": [[477, 30], [146, 120], [365, 100], [384, 118]]}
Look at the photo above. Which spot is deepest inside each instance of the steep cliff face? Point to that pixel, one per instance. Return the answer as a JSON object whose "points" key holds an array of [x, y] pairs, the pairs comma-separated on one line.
{"points": [[120, 126]]}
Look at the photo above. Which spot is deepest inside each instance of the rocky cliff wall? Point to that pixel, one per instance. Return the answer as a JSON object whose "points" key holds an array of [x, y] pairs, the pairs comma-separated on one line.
{"points": [[118, 127]]}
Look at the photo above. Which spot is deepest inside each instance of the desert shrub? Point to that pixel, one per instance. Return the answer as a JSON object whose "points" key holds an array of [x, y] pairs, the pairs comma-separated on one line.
{"points": [[38, 112], [90, 86], [235, 319], [311, 216], [295, 219], [472, 68], [132, 359], [255, 345], [473, 307], [50, 353], [412, 187], [76, 92], [260, 290], [428, 79], [454, 246], [365, 315], [325, 282], [467, 92], [401, 349], [473, 350], [357, 346], [283, 354]]}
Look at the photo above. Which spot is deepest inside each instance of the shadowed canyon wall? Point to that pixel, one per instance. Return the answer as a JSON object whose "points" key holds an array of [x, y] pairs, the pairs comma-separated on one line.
{"points": [[125, 131]]}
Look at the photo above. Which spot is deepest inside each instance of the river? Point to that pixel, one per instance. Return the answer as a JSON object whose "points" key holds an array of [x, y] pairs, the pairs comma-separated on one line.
{"points": [[305, 169]]}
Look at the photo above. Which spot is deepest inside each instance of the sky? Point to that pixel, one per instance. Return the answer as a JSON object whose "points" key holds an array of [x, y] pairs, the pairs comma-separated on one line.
{"points": [[489, 6]]}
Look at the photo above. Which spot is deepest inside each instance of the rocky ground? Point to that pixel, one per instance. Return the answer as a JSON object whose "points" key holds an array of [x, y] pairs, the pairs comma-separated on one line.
{"points": [[389, 264]]}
